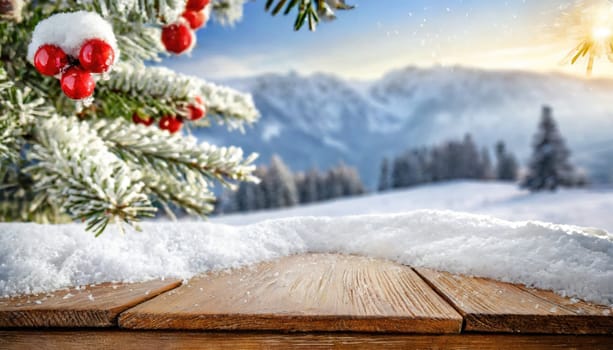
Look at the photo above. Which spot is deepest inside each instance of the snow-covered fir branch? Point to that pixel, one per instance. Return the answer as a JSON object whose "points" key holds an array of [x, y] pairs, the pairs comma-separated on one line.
{"points": [[72, 165], [228, 12], [19, 110], [192, 194], [228, 106], [149, 11], [174, 155]]}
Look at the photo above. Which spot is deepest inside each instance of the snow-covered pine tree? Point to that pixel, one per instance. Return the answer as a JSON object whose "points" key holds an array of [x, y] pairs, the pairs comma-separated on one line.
{"points": [[77, 101], [486, 172], [470, 166], [384, 176], [308, 186], [279, 185], [347, 180], [549, 167], [506, 164]]}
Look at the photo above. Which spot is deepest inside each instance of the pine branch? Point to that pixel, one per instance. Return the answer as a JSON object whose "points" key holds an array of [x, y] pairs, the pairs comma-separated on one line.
{"points": [[228, 12], [173, 155], [73, 167], [163, 91], [20, 108], [308, 10], [192, 195], [11, 10], [143, 11]]}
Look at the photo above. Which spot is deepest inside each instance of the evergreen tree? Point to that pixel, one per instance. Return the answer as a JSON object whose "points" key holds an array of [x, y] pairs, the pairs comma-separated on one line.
{"points": [[384, 176], [549, 166], [486, 172], [78, 99], [437, 167], [279, 185], [348, 180], [407, 170], [470, 164], [307, 186], [506, 164]]}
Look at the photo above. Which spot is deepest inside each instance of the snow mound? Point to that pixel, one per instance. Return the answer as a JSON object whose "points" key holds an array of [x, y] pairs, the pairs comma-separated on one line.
{"points": [[570, 260]]}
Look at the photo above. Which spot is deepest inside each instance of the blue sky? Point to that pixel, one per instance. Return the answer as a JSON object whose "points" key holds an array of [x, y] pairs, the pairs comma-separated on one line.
{"points": [[382, 35]]}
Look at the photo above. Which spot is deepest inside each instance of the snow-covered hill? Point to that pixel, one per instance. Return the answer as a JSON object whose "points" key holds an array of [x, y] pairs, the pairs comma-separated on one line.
{"points": [[583, 207], [320, 120]]}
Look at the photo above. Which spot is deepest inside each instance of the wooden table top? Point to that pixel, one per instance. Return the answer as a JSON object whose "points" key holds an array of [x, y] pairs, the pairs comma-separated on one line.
{"points": [[311, 292]]}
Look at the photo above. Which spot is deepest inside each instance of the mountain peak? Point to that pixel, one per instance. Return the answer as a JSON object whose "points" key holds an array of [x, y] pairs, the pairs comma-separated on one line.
{"points": [[321, 119]]}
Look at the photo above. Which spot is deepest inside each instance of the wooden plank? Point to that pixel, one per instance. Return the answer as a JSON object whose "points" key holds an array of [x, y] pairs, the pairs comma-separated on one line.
{"points": [[109, 339], [315, 292], [492, 306], [88, 306], [598, 319]]}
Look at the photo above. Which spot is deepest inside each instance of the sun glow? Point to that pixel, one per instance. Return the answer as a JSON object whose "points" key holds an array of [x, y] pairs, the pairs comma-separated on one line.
{"points": [[592, 27], [601, 33]]}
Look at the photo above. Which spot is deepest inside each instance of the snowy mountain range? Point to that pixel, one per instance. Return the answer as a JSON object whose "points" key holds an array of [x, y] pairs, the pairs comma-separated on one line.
{"points": [[321, 120]]}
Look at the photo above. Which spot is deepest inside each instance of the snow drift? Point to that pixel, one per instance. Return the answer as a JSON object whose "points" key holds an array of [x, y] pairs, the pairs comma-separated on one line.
{"points": [[570, 260]]}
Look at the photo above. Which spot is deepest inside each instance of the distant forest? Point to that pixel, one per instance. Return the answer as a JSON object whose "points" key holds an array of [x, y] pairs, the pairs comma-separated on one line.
{"points": [[451, 160], [548, 169], [280, 188]]}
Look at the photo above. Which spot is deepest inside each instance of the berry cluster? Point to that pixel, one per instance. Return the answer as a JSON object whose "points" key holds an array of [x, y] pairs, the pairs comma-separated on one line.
{"points": [[173, 123], [96, 56], [178, 37]]}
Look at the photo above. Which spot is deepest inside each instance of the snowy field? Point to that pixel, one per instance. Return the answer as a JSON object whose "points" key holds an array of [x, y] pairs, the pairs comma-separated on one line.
{"points": [[570, 260], [583, 207]]}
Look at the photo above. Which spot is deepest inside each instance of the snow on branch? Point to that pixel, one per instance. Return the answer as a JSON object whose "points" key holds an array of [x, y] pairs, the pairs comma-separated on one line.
{"points": [[228, 106], [228, 12], [19, 110], [174, 155], [192, 194], [72, 165], [149, 11]]}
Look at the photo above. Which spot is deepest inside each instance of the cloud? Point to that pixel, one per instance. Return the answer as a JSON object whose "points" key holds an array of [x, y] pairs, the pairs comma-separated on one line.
{"points": [[218, 66]]}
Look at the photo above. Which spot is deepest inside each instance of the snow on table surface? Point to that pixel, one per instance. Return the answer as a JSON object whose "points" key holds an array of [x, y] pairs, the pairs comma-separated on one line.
{"points": [[567, 259]]}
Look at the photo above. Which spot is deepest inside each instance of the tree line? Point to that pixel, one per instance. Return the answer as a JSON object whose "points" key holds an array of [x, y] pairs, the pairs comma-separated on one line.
{"points": [[549, 166], [280, 188], [455, 159]]}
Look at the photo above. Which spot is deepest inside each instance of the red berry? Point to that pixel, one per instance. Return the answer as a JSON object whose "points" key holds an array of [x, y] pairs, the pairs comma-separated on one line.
{"points": [[145, 120], [96, 56], [177, 37], [77, 83], [49, 60], [171, 123], [196, 111], [195, 18], [196, 5]]}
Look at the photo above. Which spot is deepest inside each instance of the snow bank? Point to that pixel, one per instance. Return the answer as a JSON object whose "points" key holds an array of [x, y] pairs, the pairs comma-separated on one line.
{"points": [[570, 260]]}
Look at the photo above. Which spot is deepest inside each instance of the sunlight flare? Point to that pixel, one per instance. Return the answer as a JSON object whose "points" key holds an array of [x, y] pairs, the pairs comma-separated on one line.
{"points": [[592, 26]]}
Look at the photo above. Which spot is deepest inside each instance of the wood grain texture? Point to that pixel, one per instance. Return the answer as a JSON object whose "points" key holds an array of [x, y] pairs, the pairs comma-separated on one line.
{"points": [[89, 306], [127, 340], [315, 292], [492, 306]]}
